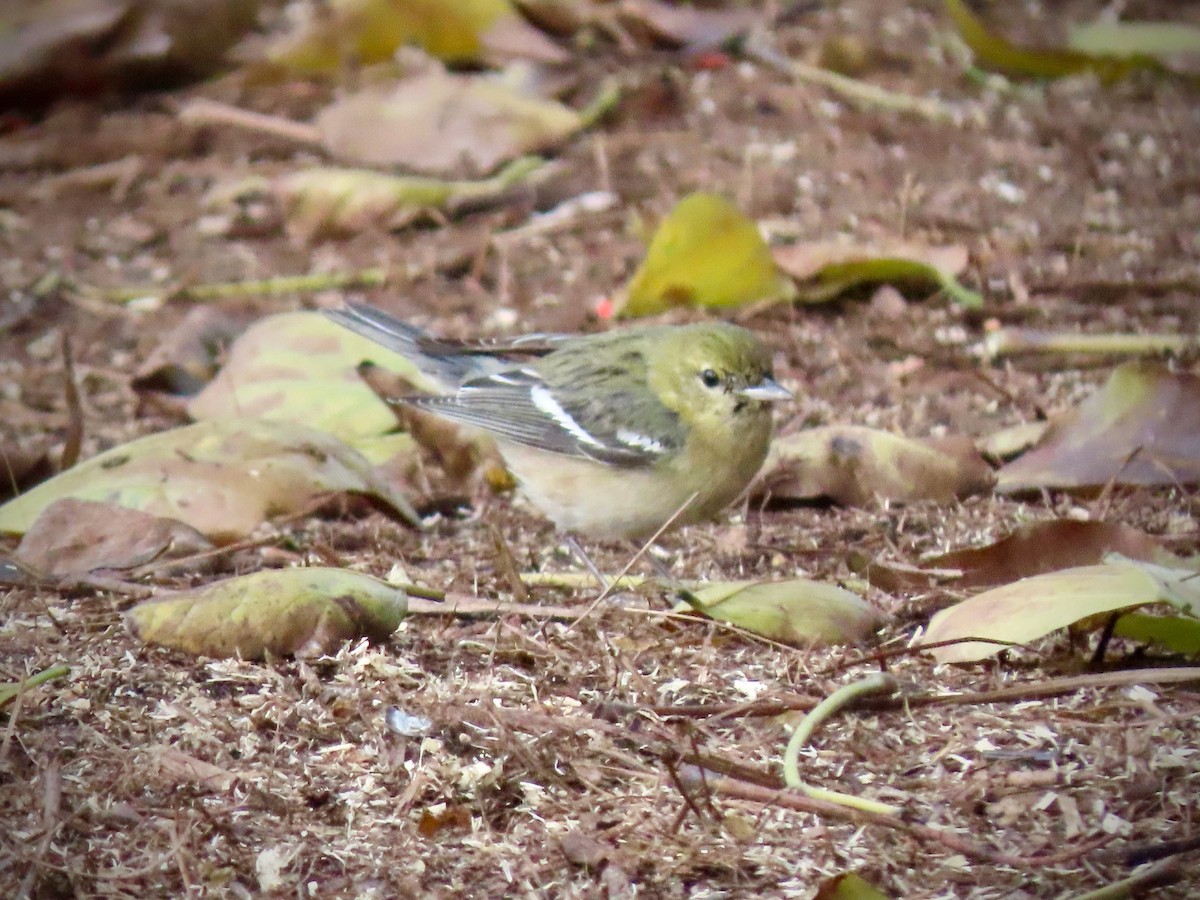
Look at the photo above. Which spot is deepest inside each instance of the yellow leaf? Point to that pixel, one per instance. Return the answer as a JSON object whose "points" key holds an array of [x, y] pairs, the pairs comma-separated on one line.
{"points": [[797, 611], [1033, 607], [370, 31], [995, 52], [858, 466], [705, 253], [301, 611]]}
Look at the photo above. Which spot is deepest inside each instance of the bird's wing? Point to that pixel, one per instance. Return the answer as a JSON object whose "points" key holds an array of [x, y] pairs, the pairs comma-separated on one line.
{"points": [[610, 426], [449, 362]]}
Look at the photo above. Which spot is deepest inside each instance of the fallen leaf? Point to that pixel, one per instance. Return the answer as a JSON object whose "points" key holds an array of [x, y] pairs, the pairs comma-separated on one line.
{"points": [[1009, 442], [330, 202], [223, 478], [1034, 607], [285, 612], [1047, 546], [371, 31], [83, 46], [1142, 427], [1179, 634], [444, 125], [848, 886], [187, 357], [858, 466], [824, 270], [177, 768], [705, 253], [72, 537], [300, 367], [23, 463], [992, 51], [797, 611], [1160, 40]]}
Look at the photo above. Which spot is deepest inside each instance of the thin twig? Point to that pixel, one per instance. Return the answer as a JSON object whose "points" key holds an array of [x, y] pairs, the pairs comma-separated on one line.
{"points": [[795, 800]]}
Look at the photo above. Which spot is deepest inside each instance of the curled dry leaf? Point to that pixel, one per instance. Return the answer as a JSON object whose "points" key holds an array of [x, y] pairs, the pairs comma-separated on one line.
{"points": [[223, 478], [285, 612], [1047, 546], [796, 611], [705, 253], [856, 466], [186, 359], [370, 31], [825, 270], [460, 452], [443, 124], [72, 537], [1034, 607], [332, 202], [1142, 427]]}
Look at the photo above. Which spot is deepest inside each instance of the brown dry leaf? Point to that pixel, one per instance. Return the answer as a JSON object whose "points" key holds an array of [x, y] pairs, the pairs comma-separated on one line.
{"points": [[81, 45], [796, 611], [23, 463], [857, 466], [72, 537], [224, 478], [1034, 607], [823, 270], [186, 358], [1047, 546], [442, 124], [450, 818], [285, 612], [460, 452], [1142, 427], [177, 768]]}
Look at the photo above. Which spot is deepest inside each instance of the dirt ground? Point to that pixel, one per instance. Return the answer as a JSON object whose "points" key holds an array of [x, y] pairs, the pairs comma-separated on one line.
{"points": [[552, 767]]}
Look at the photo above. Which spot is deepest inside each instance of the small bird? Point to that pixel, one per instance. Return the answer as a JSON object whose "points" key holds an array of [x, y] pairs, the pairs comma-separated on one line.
{"points": [[610, 435]]}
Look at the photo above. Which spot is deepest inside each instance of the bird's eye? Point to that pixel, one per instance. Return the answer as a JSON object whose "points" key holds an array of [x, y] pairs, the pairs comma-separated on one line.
{"points": [[710, 378]]}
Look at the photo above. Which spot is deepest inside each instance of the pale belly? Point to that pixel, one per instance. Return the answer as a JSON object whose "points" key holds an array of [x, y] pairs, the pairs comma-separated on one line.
{"points": [[609, 503]]}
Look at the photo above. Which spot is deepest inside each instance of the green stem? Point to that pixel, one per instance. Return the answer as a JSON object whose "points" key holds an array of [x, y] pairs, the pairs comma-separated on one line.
{"points": [[842, 697]]}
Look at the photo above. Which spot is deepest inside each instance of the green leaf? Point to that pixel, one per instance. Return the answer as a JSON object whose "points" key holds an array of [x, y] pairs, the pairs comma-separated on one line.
{"points": [[797, 611], [301, 612], [1179, 634]]}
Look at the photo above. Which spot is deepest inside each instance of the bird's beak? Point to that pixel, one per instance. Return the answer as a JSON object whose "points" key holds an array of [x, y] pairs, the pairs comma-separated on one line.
{"points": [[767, 389]]}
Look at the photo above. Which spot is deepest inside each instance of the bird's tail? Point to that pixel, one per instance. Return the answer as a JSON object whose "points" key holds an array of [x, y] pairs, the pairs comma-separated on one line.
{"points": [[450, 369]]}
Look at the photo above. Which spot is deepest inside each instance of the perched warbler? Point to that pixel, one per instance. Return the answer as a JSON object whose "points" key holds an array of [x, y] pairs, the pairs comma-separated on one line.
{"points": [[612, 434]]}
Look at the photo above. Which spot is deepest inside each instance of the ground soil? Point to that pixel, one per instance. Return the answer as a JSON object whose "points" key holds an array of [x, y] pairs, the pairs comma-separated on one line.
{"points": [[551, 765]]}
